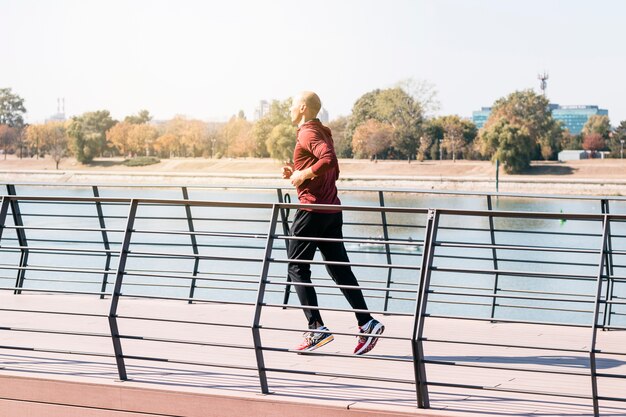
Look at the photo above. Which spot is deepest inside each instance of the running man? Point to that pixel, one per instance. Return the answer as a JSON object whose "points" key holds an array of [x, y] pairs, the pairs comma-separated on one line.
{"points": [[314, 173]]}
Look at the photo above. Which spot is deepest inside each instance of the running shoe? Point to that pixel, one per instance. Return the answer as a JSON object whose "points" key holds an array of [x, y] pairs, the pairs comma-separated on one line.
{"points": [[315, 339], [367, 341]]}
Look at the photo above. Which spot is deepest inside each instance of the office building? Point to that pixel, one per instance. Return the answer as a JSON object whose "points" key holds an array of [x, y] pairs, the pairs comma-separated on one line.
{"points": [[573, 118]]}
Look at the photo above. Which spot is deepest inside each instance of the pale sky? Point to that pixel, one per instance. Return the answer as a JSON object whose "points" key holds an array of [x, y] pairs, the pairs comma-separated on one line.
{"points": [[209, 59]]}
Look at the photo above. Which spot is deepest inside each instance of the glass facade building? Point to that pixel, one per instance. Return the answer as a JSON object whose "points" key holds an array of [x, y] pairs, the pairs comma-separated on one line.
{"points": [[573, 118]]}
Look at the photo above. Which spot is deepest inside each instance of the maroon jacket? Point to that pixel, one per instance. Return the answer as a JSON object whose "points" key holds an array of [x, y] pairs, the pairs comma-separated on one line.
{"points": [[315, 149]]}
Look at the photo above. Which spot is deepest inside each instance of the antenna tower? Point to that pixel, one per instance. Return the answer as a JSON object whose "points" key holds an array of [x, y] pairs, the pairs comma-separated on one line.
{"points": [[544, 82]]}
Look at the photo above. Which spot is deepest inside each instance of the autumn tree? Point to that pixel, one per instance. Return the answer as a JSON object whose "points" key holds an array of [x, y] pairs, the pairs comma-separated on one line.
{"points": [[599, 124], [87, 134], [49, 139], [237, 137], [371, 139], [191, 136], [593, 142], [117, 136], [166, 145], [392, 106]]}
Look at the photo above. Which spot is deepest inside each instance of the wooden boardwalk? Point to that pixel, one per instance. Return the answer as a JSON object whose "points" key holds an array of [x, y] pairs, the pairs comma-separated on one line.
{"points": [[49, 381]]}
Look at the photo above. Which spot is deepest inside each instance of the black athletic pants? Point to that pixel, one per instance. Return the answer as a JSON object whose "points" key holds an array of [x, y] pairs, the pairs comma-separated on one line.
{"points": [[322, 225]]}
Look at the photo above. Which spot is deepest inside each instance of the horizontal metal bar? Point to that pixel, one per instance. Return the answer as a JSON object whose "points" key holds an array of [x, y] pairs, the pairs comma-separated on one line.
{"points": [[511, 297], [509, 390], [513, 273], [507, 346], [343, 310], [514, 247], [505, 368]]}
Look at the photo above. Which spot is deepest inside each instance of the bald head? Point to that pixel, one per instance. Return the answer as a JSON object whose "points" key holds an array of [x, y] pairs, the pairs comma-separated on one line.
{"points": [[305, 106], [312, 101]]}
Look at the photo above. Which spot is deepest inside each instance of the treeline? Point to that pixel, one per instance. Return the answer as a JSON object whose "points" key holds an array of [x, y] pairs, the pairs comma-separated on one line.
{"points": [[384, 124]]}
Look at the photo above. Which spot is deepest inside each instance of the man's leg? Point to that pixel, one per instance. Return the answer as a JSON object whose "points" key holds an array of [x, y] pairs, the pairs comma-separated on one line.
{"points": [[342, 274], [304, 226]]}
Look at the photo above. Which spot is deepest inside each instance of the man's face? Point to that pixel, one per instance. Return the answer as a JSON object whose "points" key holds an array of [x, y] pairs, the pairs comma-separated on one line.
{"points": [[296, 113]]}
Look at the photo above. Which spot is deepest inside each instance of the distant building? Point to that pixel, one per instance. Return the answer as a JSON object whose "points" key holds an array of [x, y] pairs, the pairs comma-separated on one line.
{"points": [[479, 117], [577, 154], [261, 110], [572, 155], [323, 115], [573, 118], [59, 116]]}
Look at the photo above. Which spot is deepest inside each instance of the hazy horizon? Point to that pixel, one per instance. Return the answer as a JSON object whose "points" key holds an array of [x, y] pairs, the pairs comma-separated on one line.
{"points": [[208, 60]]}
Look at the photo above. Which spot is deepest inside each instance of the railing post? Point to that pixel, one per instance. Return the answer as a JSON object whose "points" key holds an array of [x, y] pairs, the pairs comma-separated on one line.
{"points": [[105, 242], [194, 245], [494, 256], [4, 209], [256, 334], [21, 238], [608, 262], [383, 214], [117, 290], [596, 314], [284, 218], [420, 309]]}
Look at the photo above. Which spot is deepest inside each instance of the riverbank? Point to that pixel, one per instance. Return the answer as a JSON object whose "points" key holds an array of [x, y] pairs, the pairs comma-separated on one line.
{"points": [[588, 177]]}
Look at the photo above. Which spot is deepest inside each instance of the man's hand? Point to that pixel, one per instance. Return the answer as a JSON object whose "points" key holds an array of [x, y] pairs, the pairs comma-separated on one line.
{"points": [[287, 171], [298, 177]]}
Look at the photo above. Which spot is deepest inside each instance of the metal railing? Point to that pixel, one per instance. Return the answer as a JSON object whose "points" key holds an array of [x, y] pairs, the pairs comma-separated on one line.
{"points": [[233, 253], [354, 196]]}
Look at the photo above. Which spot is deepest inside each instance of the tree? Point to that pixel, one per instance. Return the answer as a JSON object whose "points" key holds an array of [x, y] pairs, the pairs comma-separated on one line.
{"points": [[457, 135], [57, 142], [191, 136], [343, 148], [166, 145], [371, 139], [597, 124], [49, 138], [87, 134], [8, 136], [593, 142], [142, 117], [117, 136], [615, 140], [569, 141], [278, 114], [12, 109], [426, 142], [141, 139], [282, 141], [508, 143], [396, 108], [530, 114], [236, 135]]}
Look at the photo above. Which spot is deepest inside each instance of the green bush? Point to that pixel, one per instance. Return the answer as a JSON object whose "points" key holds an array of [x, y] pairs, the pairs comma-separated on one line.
{"points": [[141, 161]]}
